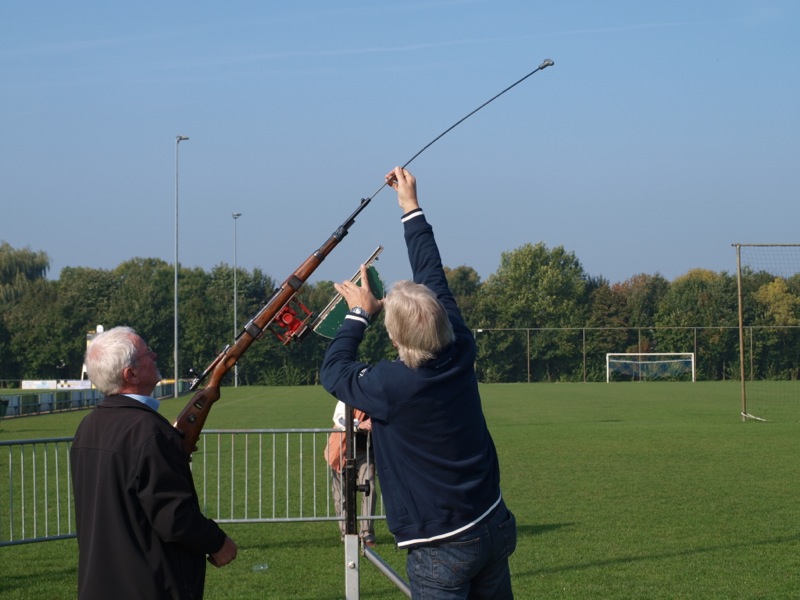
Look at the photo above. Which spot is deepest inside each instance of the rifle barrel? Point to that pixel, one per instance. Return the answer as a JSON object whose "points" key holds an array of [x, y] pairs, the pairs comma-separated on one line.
{"points": [[192, 418]]}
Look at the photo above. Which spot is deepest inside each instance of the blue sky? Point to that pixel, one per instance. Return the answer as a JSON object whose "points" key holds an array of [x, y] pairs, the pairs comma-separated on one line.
{"points": [[664, 133]]}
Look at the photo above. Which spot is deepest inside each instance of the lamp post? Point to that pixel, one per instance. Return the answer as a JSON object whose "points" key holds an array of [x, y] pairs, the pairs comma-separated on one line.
{"points": [[235, 216], [178, 140]]}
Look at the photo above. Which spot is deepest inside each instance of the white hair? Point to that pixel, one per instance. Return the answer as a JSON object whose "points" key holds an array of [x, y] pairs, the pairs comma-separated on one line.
{"points": [[108, 355], [416, 322]]}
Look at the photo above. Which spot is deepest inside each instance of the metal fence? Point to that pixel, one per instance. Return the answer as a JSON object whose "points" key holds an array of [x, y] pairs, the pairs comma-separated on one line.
{"points": [[241, 476], [575, 354], [37, 504], [13, 403], [24, 404]]}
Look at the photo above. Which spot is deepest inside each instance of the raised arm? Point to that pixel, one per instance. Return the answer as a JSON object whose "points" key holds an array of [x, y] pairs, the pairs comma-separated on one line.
{"points": [[406, 186]]}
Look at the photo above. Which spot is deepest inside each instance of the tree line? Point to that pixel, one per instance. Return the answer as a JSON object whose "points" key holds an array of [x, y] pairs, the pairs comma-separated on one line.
{"points": [[570, 318]]}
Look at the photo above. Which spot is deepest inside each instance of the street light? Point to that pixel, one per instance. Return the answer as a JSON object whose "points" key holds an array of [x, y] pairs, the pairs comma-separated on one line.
{"points": [[178, 140], [235, 216]]}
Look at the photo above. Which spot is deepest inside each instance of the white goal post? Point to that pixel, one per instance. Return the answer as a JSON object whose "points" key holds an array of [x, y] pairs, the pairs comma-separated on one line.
{"points": [[647, 366]]}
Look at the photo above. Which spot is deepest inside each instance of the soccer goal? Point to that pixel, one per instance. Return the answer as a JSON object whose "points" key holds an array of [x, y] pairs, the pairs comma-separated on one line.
{"points": [[650, 366], [768, 281]]}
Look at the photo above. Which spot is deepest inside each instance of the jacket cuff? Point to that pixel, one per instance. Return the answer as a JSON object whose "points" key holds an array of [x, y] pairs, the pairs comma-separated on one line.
{"points": [[358, 318], [417, 212]]}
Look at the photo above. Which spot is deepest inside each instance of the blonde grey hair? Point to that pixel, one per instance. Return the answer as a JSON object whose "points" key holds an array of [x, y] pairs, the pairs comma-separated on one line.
{"points": [[108, 355], [416, 322]]}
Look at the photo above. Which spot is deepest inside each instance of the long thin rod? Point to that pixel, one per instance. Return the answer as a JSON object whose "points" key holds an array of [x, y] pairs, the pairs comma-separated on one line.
{"points": [[344, 227], [546, 63]]}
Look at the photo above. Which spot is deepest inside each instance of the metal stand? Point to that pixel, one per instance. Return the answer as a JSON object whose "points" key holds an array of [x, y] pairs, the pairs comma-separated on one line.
{"points": [[390, 573], [351, 567], [352, 542]]}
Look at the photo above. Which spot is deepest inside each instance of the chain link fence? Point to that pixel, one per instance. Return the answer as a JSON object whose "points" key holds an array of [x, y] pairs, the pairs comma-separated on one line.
{"points": [[578, 354]]}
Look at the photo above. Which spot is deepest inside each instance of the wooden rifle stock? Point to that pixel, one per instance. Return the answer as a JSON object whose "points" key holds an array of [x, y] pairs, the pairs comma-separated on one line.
{"points": [[277, 312]]}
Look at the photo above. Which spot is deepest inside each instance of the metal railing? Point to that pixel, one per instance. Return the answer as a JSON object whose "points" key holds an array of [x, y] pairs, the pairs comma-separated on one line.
{"points": [[241, 476], [572, 354], [37, 503], [15, 403]]}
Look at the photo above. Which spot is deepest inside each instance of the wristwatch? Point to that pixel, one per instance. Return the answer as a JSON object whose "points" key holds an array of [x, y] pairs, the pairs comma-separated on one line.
{"points": [[357, 310]]}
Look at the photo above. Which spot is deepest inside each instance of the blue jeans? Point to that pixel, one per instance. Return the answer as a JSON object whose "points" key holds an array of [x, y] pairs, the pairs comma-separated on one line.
{"points": [[473, 565]]}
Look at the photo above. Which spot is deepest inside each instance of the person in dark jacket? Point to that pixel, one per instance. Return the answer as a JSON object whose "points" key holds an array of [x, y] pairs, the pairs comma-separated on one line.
{"points": [[436, 460], [141, 533]]}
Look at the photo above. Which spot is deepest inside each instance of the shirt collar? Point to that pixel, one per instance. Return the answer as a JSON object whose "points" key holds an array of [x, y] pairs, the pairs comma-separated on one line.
{"points": [[146, 400]]}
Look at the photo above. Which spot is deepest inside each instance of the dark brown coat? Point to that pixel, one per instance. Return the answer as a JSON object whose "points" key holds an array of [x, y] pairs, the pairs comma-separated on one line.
{"points": [[141, 533]]}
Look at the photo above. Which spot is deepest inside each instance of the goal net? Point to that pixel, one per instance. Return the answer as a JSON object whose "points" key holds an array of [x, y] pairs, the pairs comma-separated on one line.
{"points": [[768, 282], [650, 366]]}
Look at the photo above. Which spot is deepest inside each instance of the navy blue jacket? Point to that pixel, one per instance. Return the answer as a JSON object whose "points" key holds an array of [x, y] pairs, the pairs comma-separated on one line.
{"points": [[437, 464]]}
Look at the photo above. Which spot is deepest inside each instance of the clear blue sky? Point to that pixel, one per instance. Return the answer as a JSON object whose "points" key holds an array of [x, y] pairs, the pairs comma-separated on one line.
{"points": [[665, 132]]}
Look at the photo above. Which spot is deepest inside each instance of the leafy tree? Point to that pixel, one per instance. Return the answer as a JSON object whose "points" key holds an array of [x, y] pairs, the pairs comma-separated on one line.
{"points": [[465, 283], [778, 344], [781, 306], [205, 315], [19, 270], [540, 303], [608, 329], [142, 298], [212, 326], [641, 295], [50, 322], [701, 299], [36, 342], [534, 287], [84, 298]]}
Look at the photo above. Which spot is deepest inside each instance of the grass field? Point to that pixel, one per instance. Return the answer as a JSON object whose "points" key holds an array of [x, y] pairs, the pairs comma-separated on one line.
{"points": [[627, 490]]}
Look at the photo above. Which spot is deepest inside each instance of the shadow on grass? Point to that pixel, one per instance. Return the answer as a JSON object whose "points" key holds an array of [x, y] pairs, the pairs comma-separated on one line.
{"points": [[623, 560], [276, 540], [290, 536], [10, 583], [276, 543], [531, 530]]}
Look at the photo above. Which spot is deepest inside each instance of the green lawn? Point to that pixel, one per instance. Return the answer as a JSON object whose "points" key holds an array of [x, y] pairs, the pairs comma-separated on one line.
{"points": [[627, 490]]}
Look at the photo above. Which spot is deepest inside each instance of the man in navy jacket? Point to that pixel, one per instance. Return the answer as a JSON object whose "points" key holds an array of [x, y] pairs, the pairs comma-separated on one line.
{"points": [[436, 460]]}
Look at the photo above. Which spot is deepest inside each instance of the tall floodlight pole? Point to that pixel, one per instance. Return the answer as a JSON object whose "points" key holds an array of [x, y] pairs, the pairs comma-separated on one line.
{"points": [[235, 216], [178, 140]]}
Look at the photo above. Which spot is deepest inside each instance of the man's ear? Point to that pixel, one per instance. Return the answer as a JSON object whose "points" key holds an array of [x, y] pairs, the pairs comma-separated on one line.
{"points": [[129, 375]]}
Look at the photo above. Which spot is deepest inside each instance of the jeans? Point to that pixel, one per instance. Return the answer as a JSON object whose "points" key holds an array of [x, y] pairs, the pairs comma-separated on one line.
{"points": [[473, 565]]}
